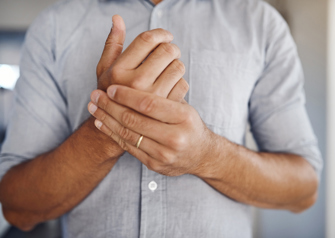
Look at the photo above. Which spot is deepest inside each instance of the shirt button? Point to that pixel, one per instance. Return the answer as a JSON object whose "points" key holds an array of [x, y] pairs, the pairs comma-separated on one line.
{"points": [[152, 185], [159, 13]]}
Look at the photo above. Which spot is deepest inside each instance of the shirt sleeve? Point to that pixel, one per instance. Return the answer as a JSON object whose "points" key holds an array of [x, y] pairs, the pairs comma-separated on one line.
{"points": [[39, 120], [278, 117]]}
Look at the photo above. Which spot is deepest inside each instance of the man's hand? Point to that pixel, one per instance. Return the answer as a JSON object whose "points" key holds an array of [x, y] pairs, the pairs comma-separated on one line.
{"points": [[150, 63], [175, 142]]}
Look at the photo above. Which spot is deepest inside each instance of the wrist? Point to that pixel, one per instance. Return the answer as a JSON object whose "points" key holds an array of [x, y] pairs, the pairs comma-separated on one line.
{"points": [[105, 148], [214, 161], [207, 157]]}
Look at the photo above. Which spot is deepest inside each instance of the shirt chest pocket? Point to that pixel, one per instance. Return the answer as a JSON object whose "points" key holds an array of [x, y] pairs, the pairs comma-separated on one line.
{"points": [[220, 87]]}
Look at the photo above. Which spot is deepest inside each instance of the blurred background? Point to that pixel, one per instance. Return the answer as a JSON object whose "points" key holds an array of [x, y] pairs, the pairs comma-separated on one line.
{"points": [[312, 24]]}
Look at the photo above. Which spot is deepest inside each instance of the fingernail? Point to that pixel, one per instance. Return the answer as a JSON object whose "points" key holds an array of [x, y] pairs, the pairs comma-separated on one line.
{"points": [[111, 91], [92, 108], [98, 124], [95, 96]]}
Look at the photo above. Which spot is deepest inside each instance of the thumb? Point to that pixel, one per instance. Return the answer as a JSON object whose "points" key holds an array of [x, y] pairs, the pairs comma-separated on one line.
{"points": [[113, 46]]}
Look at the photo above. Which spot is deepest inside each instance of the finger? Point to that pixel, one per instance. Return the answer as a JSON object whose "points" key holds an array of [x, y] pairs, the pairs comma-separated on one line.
{"points": [[123, 145], [113, 46], [151, 147], [170, 82], [151, 105], [147, 160], [142, 46], [138, 153], [104, 108], [179, 91], [112, 125], [150, 162], [168, 78], [159, 60], [143, 157], [105, 129]]}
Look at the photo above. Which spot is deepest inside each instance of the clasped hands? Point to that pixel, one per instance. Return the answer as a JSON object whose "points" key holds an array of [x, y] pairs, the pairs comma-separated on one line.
{"points": [[146, 98]]}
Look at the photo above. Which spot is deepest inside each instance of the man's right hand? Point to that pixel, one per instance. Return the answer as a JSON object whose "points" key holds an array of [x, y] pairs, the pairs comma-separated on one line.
{"points": [[63, 177], [150, 63]]}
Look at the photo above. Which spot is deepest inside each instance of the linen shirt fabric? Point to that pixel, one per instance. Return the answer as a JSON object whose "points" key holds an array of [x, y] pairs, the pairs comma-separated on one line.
{"points": [[242, 66]]}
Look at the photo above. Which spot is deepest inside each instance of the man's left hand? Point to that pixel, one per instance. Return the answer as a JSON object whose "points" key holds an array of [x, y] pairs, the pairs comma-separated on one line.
{"points": [[175, 142]]}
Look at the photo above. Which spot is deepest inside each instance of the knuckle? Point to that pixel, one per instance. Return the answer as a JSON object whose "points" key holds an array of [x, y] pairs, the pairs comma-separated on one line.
{"points": [[177, 50], [147, 105], [148, 37], [166, 157], [138, 83], [161, 31], [99, 69], [179, 66], [178, 142], [117, 47], [124, 132], [123, 144], [168, 48], [128, 119], [103, 117], [164, 32], [110, 134], [150, 165], [189, 117], [103, 103], [114, 74], [184, 85], [104, 80], [153, 166], [181, 142]]}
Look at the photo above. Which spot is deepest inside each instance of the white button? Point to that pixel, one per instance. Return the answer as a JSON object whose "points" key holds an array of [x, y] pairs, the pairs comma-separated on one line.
{"points": [[159, 13], [152, 185]]}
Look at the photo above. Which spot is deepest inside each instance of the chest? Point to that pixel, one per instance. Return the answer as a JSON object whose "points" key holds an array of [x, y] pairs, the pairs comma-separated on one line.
{"points": [[222, 63]]}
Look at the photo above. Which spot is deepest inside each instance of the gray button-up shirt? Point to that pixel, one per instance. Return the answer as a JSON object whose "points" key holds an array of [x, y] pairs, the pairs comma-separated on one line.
{"points": [[242, 66]]}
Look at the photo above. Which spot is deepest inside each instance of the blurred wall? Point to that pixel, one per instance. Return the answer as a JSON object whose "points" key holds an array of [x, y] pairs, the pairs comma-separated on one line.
{"points": [[18, 14], [10, 46], [330, 189]]}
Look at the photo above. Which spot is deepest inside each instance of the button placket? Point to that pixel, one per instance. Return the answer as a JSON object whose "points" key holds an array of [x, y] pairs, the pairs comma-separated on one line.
{"points": [[153, 204], [153, 192], [160, 13]]}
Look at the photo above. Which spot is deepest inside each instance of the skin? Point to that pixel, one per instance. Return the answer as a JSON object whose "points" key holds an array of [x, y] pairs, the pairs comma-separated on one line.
{"points": [[177, 142], [53, 183]]}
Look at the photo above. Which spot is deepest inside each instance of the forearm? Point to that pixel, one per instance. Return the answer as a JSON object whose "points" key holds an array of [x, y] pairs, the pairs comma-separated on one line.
{"points": [[266, 180], [53, 183]]}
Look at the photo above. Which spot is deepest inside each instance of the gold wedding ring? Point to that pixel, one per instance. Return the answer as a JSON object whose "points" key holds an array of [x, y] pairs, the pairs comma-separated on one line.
{"points": [[139, 142]]}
